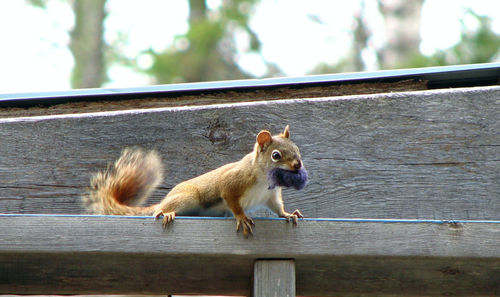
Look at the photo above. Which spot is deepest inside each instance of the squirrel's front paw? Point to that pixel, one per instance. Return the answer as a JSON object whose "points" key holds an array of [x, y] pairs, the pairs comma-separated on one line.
{"points": [[168, 217], [245, 224], [293, 216]]}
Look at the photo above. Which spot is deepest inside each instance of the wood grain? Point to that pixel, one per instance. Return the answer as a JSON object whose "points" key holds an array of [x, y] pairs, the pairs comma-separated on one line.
{"points": [[125, 255], [426, 154], [274, 278]]}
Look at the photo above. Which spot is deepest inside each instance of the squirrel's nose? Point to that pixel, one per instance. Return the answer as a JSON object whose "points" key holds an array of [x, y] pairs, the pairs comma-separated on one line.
{"points": [[297, 165]]}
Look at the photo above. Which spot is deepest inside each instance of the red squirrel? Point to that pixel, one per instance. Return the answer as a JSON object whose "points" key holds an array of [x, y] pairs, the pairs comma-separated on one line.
{"points": [[256, 180]]}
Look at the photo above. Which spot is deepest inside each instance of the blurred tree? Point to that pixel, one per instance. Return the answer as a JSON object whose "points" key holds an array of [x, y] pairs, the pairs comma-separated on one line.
{"points": [[402, 31], [477, 45], [207, 51], [353, 61], [481, 45], [87, 44], [402, 35]]}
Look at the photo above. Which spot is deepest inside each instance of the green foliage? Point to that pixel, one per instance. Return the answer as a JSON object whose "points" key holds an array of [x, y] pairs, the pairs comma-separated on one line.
{"points": [[480, 46], [239, 11], [207, 51], [38, 3], [476, 46], [189, 64]]}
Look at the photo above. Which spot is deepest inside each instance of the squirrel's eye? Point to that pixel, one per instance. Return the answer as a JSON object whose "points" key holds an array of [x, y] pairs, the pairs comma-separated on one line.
{"points": [[276, 155]]}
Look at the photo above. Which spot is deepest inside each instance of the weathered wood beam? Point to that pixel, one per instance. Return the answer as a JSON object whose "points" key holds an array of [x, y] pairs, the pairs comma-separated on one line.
{"points": [[127, 255], [427, 155], [274, 278]]}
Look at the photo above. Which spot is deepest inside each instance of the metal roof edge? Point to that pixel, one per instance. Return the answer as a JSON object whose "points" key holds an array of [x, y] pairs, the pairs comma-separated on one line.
{"points": [[443, 76]]}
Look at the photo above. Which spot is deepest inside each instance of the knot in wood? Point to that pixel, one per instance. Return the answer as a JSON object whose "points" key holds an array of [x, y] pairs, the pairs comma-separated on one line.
{"points": [[218, 133]]}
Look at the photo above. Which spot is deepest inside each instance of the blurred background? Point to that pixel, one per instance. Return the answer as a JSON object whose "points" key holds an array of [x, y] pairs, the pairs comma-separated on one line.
{"points": [[63, 44]]}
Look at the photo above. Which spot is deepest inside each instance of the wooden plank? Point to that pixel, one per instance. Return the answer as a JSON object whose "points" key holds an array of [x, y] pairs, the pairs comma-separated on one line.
{"points": [[274, 278], [425, 155], [127, 255]]}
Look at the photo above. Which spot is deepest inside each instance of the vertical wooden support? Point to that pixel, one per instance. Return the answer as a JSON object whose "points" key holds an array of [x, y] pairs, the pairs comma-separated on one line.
{"points": [[274, 278]]}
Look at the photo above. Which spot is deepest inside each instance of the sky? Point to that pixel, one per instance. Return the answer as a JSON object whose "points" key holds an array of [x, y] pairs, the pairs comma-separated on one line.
{"points": [[34, 55]]}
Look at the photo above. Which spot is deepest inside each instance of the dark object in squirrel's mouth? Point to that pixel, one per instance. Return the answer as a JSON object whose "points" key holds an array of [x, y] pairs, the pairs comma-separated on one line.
{"points": [[287, 178]]}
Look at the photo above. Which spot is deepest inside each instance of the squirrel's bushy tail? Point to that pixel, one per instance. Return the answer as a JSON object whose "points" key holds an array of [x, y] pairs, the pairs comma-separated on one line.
{"points": [[125, 185]]}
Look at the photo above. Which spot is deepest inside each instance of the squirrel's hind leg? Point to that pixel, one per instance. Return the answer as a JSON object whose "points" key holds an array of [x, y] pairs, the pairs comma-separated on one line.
{"points": [[177, 202]]}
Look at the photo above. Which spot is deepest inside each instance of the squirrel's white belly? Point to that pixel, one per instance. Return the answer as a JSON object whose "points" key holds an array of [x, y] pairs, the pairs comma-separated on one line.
{"points": [[257, 195]]}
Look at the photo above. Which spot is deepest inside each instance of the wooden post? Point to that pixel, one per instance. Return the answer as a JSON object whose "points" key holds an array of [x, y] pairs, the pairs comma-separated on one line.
{"points": [[274, 278]]}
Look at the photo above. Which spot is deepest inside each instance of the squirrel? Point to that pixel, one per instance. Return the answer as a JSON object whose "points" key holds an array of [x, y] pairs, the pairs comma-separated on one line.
{"points": [[255, 180]]}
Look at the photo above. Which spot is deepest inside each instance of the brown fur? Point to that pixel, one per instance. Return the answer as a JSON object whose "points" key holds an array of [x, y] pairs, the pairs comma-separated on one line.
{"points": [[125, 185], [234, 187]]}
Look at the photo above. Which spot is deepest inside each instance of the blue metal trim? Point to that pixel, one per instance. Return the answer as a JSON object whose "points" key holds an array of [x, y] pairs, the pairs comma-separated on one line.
{"points": [[337, 220], [446, 76]]}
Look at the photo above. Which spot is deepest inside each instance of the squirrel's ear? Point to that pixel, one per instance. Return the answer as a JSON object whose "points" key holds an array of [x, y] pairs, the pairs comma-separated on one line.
{"points": [[264, 137], [286, 133]]}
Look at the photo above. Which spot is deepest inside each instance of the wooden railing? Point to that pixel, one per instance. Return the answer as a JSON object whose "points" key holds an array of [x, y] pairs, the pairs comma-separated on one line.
{"points": [[132, 255], [413, 179]]}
